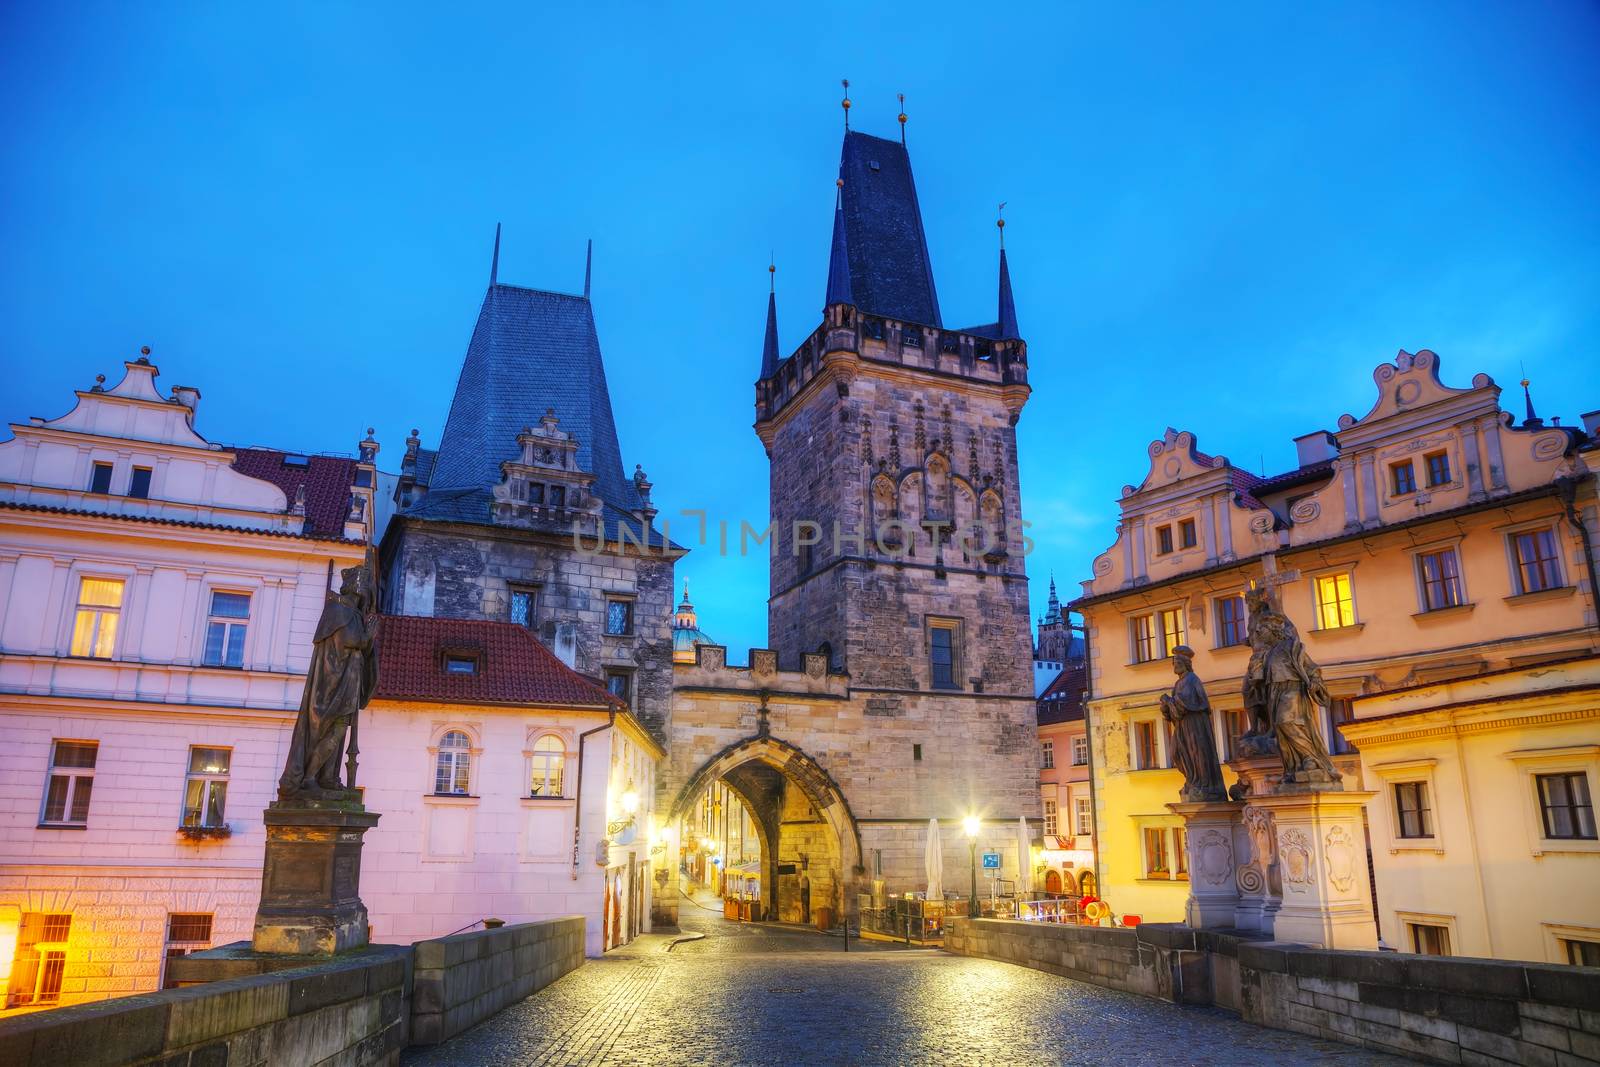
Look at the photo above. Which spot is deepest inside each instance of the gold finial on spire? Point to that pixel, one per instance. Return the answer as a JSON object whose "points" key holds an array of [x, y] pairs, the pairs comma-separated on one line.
{"points": [[1000, 222], [772, 286], [845, 103], [902, 118]]}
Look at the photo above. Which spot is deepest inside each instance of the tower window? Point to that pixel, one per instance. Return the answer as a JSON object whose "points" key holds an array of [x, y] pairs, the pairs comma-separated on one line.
{"points": [[619, 617], [139, 484], [916, 753], [911, 337], [524, 606], [944, 653], [100, 478]]}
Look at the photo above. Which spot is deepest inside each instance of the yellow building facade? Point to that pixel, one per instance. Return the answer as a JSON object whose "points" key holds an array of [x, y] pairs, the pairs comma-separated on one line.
{"points": [[1432, 539]]}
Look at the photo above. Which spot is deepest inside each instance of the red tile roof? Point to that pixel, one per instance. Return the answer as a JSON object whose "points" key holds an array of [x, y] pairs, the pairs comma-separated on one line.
{"points": [[327, 481], [512, 666], [1062, 700]]}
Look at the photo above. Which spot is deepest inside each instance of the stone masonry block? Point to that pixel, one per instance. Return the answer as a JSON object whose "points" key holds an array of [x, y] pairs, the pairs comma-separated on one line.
{"points": [[202, 1013]]}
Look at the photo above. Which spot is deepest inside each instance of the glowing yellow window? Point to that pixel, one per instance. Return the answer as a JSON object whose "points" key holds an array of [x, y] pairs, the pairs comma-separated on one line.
{"points": [[94, 627], [1335, 608]]}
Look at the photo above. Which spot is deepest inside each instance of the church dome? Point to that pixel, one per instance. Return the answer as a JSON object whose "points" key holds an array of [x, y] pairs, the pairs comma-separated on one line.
{"points": [[686, 632]]}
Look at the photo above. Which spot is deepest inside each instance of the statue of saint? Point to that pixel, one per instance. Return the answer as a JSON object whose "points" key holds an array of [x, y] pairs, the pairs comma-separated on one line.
{"points": [[340, 681], [1194, 751], [1284, 686]]}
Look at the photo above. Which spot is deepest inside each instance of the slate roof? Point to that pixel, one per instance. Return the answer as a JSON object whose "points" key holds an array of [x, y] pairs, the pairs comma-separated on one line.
{"points": [[530, 350], [512, 666], [327, 481], [890, 272], [473, 505], [1062, 701]]}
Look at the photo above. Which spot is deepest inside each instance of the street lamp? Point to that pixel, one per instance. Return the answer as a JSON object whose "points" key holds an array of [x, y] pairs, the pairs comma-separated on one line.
{"points": [[971, 824]]}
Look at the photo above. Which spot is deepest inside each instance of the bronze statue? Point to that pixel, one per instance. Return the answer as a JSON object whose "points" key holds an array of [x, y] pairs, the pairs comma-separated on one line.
{"points": [[340, 681], [1194, 751], [1285, 687]]}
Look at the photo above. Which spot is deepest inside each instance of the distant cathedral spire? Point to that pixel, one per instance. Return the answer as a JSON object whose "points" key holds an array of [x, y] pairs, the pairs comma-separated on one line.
{"points": [[769, 348], [839, 289], [588, 267], [494, 263]]}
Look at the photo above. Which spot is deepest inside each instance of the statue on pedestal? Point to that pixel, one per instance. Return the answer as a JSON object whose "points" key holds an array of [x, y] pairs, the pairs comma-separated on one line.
{"points": [[339, 683], [1194, 751], [1284, 688]]}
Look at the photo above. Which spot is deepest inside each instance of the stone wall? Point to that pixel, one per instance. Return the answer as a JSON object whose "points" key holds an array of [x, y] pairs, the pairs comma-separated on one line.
{"points": [[353, 1008], [1440, 1009], [463, 979]]}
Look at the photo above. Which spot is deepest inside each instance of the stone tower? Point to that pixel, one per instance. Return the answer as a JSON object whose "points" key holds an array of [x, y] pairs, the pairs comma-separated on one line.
{"points": [[898, 542]]}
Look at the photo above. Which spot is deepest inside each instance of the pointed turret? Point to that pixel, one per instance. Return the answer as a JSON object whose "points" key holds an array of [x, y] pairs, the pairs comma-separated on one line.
{"points": [[839, 289], [1052, 615], [769, 348], [1008, 308], [494, 263], [1527, 401]]}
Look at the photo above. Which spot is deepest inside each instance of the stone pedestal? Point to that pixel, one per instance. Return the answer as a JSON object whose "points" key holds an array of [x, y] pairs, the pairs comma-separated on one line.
{"points": [[1209, 836], [1322, 867], [311, 878]]}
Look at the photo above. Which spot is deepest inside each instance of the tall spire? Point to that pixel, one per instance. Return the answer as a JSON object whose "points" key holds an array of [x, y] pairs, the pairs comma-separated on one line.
{"points": [[588, 267], [769, 349], [1052, 615], [839, 289], [1008, 307], [1527, 400], [494, 264]]}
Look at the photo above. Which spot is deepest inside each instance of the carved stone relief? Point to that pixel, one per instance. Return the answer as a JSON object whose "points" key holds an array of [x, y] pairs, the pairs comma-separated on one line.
{"points": [[1339, 851], [1299, 867]]}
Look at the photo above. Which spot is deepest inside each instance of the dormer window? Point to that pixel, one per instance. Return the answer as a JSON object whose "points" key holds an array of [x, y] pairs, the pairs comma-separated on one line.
{"points": [[460, 664], [298, 461], [536, 492], [558, 496]]}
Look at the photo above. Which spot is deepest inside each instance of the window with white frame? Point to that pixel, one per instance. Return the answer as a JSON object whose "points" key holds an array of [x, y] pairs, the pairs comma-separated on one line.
{"points": [[1566, 809], [1157, 855], [1439, 580], [549, 763], [452, 769], [1536, 561], [225, 629], [1413, 810], [40, 960], [94, 624], [1047, 755], [70, 784], [1082, 816], [1050, 818], [205, 791], [1154, 636], [186, 932], [1336, 604], [1080, 750]]}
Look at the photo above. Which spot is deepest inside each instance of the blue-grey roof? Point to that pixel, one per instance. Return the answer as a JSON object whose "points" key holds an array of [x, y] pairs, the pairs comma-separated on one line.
{"points": [[769, 348], [473, 505], [1008, 307], [531, 350], [423, 471], [839, 291], [890, 272]]}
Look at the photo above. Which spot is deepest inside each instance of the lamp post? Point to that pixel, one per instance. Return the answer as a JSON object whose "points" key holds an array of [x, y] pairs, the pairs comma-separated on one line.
{"points": [[970, 824]]}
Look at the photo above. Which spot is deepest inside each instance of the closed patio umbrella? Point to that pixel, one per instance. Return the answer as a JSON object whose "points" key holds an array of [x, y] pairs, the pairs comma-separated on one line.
{"points": [[933, 861], [1024, 855]]}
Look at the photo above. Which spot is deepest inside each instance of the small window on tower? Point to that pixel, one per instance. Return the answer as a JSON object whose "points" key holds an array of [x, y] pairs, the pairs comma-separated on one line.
{"points": [[139, 484], [100, 478]]}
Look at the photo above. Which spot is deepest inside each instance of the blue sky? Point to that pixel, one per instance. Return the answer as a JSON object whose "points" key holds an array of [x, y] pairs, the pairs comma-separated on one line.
{"points": [[1220, 217]]}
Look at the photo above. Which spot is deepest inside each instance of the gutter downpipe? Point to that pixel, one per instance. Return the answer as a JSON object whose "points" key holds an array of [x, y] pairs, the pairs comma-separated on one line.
{"points": [[1569, 499], [1088, 732], [577, 809]]}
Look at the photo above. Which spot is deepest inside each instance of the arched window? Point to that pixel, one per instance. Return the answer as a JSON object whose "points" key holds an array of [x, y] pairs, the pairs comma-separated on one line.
{"points": [[1086, 884], [452, 771], [549, 767]]}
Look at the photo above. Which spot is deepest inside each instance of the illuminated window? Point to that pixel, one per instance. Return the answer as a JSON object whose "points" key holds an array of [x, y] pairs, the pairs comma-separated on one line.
{"points": [[1537, 567], [205, 792], [1143, 628], [1163, 540], [944, 653], [1080, 751], [1439, 574], [40, 959], [1186, 534], [1438, 468], [1231, 622], [1335, 605], [619, 617], [186, 932], [100, 478], [94, 626], [1050, 818], [71, 783], [225, 629], [1155, 853], [1146, 753], [1565, 805], [549, 767], [452, 770], [139, 483], [1411, 807], [1048, 756], [1429, 940], [1155, 636], [1172, 630], [1083, 816], [1404, 478]]}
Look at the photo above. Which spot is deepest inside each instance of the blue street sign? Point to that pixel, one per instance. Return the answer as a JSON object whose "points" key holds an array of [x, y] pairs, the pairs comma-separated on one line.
{"points": [[991, 861]]}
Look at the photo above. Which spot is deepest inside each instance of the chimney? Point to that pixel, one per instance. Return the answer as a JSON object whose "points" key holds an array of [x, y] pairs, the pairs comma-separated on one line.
{"points": [[1591, 423], [188, 396], [1318, 447]]}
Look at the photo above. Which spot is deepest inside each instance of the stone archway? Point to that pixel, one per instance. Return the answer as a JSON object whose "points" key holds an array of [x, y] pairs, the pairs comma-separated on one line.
{"points": [[778, 781]]}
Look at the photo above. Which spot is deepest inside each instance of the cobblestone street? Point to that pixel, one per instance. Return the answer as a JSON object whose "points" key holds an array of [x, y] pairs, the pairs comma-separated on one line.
{"points": [[757, 994]]}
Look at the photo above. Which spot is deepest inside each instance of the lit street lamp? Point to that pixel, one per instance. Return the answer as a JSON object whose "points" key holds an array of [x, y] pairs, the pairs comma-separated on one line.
{"points": [[970, 824]]}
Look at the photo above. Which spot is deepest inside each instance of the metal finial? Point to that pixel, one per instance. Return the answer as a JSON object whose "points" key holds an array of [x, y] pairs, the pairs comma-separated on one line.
{"points": [[144, 350], [1000, 222], [772, 275], [902, 118], [845, 103]]}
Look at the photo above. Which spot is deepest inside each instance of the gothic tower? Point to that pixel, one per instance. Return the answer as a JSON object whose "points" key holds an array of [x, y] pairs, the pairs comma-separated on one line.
{"points": [[898, 541]]}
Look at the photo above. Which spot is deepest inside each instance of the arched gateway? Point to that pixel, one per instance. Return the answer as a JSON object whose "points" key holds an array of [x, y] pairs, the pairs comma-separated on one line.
{"points": [[810, 846]]}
